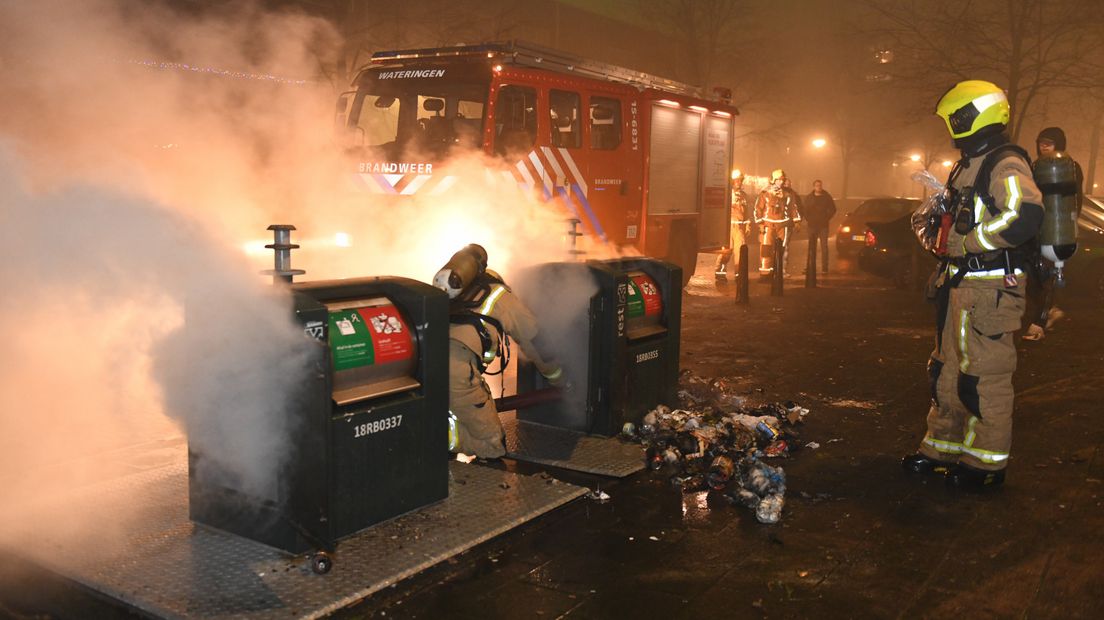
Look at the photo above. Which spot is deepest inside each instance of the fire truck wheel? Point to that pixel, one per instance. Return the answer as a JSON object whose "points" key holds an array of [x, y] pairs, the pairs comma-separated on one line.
{"points": [[321, 563]]}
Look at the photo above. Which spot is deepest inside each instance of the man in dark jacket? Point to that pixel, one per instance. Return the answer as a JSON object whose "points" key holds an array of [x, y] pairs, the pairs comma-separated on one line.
{"points": [[819, 209]]}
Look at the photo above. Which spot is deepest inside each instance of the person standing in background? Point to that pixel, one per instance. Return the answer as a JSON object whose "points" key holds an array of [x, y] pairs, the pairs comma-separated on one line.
{"points": [[740, 228], [796, 210], [819, 207]]}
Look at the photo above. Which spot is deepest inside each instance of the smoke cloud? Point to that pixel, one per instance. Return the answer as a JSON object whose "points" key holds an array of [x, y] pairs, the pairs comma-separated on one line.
{"points": [[125, 310], [143, 152]]}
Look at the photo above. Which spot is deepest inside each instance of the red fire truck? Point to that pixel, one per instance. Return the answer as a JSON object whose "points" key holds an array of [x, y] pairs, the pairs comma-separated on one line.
{"points": [[641, 160]]}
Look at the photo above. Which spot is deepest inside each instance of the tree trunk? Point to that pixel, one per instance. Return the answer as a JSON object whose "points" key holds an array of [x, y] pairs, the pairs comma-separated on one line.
{"points": [[846, 156]]}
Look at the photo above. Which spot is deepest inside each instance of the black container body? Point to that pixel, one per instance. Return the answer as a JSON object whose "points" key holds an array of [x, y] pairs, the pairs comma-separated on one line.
{"points": [[619, 379], [355, 465]]}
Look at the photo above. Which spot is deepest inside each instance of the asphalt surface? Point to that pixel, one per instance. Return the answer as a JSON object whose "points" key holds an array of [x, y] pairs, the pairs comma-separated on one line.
{"points": [[859, 538]]}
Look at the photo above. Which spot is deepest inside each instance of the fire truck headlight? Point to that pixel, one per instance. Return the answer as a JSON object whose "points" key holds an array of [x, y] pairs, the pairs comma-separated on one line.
{"points": [[254, 247]]}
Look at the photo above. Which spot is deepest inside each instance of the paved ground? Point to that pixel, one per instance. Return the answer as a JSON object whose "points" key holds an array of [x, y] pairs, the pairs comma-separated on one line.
{"points": [[859, 538]]}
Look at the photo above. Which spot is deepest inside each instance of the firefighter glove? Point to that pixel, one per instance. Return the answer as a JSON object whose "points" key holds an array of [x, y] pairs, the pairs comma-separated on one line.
{"points": [[556, 378]]}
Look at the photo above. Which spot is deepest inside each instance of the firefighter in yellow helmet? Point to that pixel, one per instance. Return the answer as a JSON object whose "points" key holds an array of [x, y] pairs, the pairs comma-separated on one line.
{"points": [[740, 222], [979, 290], [484, 315], [775, 213]]}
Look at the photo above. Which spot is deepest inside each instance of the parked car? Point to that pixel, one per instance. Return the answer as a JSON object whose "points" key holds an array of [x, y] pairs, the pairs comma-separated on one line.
{"points": [[851, 234], [890, 250]]}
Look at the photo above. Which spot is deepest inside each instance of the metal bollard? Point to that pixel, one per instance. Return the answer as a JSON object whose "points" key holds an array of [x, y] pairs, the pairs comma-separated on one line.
{"points": [[742, 276], [282, 246], [778, 275], [573, 252]]}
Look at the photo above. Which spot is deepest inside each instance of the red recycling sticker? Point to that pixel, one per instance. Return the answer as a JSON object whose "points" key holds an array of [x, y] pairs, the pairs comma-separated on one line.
{"points": [[390, 335], [653, 303]]}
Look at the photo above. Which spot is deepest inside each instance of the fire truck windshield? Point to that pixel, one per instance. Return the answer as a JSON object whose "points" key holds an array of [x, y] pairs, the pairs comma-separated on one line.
{"points": [[428, 110]]}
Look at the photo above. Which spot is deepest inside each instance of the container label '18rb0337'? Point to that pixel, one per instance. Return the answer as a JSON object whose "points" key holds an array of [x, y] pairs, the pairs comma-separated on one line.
{"points": [[376, 426]]}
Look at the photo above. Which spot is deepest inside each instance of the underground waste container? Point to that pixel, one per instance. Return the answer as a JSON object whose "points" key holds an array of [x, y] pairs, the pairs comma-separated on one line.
{"points": [[369, 423], [615, 325]]}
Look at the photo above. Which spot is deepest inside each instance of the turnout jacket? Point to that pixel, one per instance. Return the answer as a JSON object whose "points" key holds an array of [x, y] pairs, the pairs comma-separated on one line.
{"points": [[740, 215], [776, 207], [500, 304], [1016, 212]]}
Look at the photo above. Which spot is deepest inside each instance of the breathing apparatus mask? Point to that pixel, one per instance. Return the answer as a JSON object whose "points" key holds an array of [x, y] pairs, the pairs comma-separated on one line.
{"points": [[461, 270]]}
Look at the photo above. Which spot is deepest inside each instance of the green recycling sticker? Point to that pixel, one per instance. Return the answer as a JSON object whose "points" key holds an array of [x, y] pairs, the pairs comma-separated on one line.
{"points": [[636, 301], [350, 340]]}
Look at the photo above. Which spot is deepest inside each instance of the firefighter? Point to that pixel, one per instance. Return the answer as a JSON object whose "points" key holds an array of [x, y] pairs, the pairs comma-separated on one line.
{"points": [[979, 290], [740, 224], [796, 209], [775, 211], [484, 315]]}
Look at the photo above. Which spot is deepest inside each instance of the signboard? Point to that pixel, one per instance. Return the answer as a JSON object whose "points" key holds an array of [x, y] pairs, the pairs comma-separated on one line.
{"points": [[644, 299], [368, 336]]}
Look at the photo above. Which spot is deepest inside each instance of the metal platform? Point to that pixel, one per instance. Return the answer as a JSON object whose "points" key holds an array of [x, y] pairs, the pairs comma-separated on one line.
{"points": [[557, 447], [153, 559]]}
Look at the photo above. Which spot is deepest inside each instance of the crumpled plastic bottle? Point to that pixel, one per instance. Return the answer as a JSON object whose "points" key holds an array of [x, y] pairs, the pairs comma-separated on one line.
{"points": [[769, 509]]}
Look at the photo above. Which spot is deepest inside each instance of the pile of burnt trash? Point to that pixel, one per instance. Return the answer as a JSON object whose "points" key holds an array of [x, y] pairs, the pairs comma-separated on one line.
{"points": [[716, 441]]}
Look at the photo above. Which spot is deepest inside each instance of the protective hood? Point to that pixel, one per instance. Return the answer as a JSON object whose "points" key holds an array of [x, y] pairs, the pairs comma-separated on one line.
{"points": [[1055, 135]]}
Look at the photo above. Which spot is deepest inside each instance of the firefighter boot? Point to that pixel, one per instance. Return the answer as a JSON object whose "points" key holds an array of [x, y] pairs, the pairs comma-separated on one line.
{"points": [[920, 464], [968, 478], [720, 267]]}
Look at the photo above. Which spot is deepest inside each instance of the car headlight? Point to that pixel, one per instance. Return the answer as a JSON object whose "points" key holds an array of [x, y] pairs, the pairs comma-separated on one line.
{"points": [[845, 229]]}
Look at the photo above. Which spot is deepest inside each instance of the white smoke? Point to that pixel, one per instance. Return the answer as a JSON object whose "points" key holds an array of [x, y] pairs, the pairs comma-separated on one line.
{"points": [[146, 151], [125, 309]]}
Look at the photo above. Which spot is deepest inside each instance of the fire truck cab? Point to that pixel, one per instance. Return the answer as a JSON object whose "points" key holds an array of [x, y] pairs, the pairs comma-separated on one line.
{"points": [[640, 160]]}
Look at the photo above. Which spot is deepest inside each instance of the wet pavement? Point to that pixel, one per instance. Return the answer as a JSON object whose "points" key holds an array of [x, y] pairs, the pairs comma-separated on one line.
{"points": [[858, 537]]}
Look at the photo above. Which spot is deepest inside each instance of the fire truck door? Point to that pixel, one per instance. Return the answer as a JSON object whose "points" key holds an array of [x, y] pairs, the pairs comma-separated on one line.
{"points": [[614, 189], [716, 155]]}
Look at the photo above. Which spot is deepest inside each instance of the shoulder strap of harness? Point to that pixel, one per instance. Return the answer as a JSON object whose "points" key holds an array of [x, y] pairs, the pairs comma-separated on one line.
{"points": [[463, 311], [985, 173]]}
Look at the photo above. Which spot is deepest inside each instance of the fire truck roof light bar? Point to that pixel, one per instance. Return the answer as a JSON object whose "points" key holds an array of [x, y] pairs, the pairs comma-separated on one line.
{"points": [[531, 55]]}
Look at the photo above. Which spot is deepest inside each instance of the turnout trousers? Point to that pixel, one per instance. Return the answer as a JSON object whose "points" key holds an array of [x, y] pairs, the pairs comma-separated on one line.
{"points": [[474, 427], [770, 233], [970, 373], [730, 256]]}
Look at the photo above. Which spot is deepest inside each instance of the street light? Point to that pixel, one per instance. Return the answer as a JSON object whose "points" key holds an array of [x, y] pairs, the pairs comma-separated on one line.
{"points": [[818, 143], [946, 163], [915, 157]]}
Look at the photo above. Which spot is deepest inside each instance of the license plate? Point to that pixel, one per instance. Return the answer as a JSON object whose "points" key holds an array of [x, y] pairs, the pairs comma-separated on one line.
{"points": [[858, 237]]}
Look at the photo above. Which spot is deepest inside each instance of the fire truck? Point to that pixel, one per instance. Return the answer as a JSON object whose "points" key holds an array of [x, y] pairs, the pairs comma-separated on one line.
{"points": [[640, 160]]}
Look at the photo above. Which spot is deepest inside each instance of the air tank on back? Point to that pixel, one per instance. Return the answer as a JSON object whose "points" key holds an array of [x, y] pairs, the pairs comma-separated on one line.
{"points": [[1056, 177]]}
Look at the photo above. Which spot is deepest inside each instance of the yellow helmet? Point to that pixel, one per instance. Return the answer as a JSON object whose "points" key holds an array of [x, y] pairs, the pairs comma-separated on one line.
{"points": [[737, 174], [971, 106], [778, 175]]}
